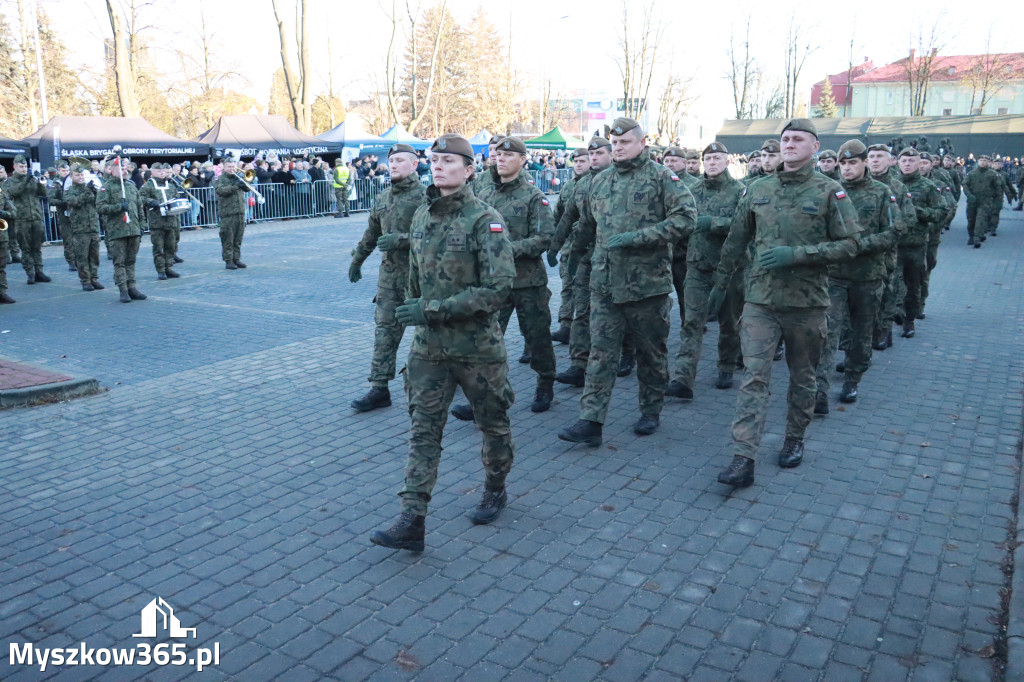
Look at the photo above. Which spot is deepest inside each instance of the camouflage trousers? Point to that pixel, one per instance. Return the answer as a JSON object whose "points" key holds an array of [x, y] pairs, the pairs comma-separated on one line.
{"points": [[341, 198], [531, 305], [647, 321], [804, 331], [87, 256], [171, 245], [64, 228], [911, 266], [691, 337], [124, 250], [430, 386], [679, 279], [931, 259], [579, 333], [163, 247], [232, 229], [12, 244], [3, 263], [30, 235], [982, 217], [887, 302], [565, 310], [853, 305], [387, 335]]}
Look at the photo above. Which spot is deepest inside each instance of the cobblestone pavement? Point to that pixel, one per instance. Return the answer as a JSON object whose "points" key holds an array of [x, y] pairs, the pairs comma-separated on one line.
{"points": [[224, 472]]}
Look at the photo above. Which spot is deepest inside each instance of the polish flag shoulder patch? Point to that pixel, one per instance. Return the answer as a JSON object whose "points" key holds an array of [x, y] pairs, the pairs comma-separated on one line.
{"points": [[909, 195], [545, 202], [675, 177], [840, 194], [496, 227], [892, 198]]}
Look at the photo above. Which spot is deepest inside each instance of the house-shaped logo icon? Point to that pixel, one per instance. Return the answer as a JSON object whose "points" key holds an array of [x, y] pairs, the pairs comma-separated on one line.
{"points": [[170, 622]]}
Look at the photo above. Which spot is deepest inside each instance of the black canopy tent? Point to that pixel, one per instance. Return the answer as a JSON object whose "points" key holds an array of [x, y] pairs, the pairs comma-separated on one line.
{"points": [[253, 134], [10, 148], [93, 137]]}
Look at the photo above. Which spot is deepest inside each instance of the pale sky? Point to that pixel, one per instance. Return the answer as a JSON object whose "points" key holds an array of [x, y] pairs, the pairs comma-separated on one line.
{"points": [[572, 42]]}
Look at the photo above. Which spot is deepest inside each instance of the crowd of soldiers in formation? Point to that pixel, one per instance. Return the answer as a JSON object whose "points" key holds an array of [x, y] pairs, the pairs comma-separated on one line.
{"points": [[82, 201], [814, 251]]}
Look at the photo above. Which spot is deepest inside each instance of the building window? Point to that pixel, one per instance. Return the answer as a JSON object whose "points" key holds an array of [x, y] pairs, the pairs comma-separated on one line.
{"points": [[947, 112], [1003, 111], [888, 97]]}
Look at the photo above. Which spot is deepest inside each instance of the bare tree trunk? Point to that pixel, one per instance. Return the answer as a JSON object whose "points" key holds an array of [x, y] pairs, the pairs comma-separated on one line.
{"points": [[27, 80], [415, 122], [390, 68], [285, 62], [304, 73], [741, 75], [122, 65]]}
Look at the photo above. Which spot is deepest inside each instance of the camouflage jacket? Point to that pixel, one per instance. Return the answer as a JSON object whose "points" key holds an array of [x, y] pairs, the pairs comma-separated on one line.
{"points": [[645, 198], [716, 200], [881, 222], [751, 178], [1004, 176], [929, 207], [832, 175], [983, 184], [81, 201], [905, 201], [941, 180], [567, 197], [956, 179], [108, 205], [461, 265], [802, 209], [152, 191], [8, 213], [230, 196], [528, 218], [392, 213], [26, 191], [679, 247], [55, 197], [569, 220]]}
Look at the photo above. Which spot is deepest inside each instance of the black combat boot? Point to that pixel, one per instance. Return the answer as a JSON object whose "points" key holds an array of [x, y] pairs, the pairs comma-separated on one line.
{"points": [[525, 358], [574, 376], [561, 336], [821, 403], [42, 277], [542, 400], [161, 276], [230, 265], [583, 431], [908, 328], [72, 268], [16, 258], [96, 285], [4, 298], [626, 365], [178, 260], [31, 278], [407, 533], [678, 389], [724, 380], [490, 506], [849, 392], [739, 473], [463, 412], [888, 339], [878, 343], [125, 298], [840, 367], [376, 397], [171, 274], [240, 264], [86, 286], [647, 424], [135, 294], [792, 453]]}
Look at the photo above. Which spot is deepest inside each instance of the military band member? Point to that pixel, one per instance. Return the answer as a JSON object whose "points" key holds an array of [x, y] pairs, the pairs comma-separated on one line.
{"points": [[59, 209], [120, 207], [8, 213], [26, 191], [157, 191], [85, 229], [231, 211]]}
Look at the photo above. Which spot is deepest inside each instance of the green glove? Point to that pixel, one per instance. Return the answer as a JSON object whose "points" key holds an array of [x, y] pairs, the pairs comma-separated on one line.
{"points": [[703, 223], [624, 240], [778, 257], [552, 258], [388, 242], [715, 300], [411, 313], [355, 272], [573, 264]]}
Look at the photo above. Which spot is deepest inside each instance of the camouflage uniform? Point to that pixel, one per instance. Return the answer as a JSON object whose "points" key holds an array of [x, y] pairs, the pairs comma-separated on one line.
{"points": [[805, 210], [892, 284], [855, 288], [161, 228], [58, 208], [392, 213], [941, 180], [566, 198], [85, 230], [26, 191], [341, 181], [7, 212], [679, 252], [231, 212], [12, 240], [461, 267], [529, 222], [716, 200], [630, 286], [122, 237], [983, 188], [930, 209]]}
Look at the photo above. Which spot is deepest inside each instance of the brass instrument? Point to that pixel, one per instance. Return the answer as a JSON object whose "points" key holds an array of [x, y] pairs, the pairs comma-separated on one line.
{"points": [[185, 186], [246, 178], [3, 225]]}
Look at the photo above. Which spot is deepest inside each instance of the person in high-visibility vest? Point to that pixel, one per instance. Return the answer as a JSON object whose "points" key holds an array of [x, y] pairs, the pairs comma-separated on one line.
{"points": [[341, 181]]}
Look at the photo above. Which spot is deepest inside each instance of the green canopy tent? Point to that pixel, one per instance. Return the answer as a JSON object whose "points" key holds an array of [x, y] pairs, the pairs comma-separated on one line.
{"points": [[556, 138]]}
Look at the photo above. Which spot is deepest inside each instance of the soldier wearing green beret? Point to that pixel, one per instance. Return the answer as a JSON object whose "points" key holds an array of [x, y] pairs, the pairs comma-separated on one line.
{"points": [[753, 167], [984, 200], [120, 207], [59, 209], [26, 191], [799, 222], [930, 209], [633, 214], [7, 213], [158, 190], [693, 163], [461, 270], [481, 180], [580, 166], [675, 159], [12, 241], [230, 192], [85, 229], [388, 231], [941, 180], [828, 165]]}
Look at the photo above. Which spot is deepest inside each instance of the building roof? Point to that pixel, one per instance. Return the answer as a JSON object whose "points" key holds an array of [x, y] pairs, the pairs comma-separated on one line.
{"points": [[840, 93], [952, 68]]}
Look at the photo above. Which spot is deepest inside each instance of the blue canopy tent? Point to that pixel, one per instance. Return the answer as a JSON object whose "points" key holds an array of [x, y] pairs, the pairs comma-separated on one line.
{"points": [[398, 134], [480, 140], [353, 136]]}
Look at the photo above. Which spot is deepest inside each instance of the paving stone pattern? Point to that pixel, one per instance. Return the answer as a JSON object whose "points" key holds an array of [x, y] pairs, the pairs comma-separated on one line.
{"points": [[19, 375], [225, 473]]}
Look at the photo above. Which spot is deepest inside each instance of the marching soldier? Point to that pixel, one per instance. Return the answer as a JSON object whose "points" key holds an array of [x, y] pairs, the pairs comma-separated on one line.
{"points": [[461, 270], [8, 213], [930, 209], [55, 197], [480, 181], [675, 159], [85, 229], [754, 171], [388, 230], [580, 165], [12, 240], [120, 206], [26, 191], [945, 185], [157, 191], [341, 181], [984, 191], [828, 165], [231, 211]]}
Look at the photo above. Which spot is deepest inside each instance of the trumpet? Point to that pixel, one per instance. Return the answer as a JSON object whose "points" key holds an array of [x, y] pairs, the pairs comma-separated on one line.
{"points": [[185, 186], [3, 225], [246, 178]]}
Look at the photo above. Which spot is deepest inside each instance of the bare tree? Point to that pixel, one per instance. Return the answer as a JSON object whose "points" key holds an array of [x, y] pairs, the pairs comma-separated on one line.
{"points": [[298, 85], [988, 75], [797, 52], [743, 73], [639, 41], [675, 100], [921, 65], [124, 76]]}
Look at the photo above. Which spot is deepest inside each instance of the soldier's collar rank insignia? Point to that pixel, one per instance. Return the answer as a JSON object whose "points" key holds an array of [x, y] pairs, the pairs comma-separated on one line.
{"points": [[496, 227], [840, 194]]}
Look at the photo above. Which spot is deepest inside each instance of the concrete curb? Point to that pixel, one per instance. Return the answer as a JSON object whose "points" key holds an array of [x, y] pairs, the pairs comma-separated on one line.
{"points": [[1015, 617], [76, 387]]}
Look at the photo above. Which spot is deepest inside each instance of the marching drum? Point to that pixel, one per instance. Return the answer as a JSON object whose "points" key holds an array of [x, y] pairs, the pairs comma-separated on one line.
{"points": [[175, 207]]}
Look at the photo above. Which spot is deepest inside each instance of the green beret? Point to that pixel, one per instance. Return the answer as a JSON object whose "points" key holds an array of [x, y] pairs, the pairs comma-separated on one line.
{"points": [[62, 164], [511, 144], [675, 151], [853, 149], [51, 170], [20, 158], [878, 147], [623, 125], [771, 147], [450, 143], [77, 168], [756, 154], [801, 124], [983, 156], [495, 139], [597, 142], [400, 148], [692, 154], [926, 156], [579, 152], [909, 151], [827, 154], [715, 148]]}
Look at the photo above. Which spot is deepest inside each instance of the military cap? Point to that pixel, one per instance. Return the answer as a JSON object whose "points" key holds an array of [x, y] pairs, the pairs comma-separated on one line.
{"points": [[801, 124], [597, 142], [77, 168], [771, 146], [51, 170], [879, 147], [400, 148], [158, 166], [827, 154], [715, 148], [20, 158], [675, 151], [450, 143], [987, 157], [578, 152], [62, 164], [495, 139], [756, 154], [909, 151], [511, 144], [692, 154], [926, 156], [853, 149], [623, 125]]}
